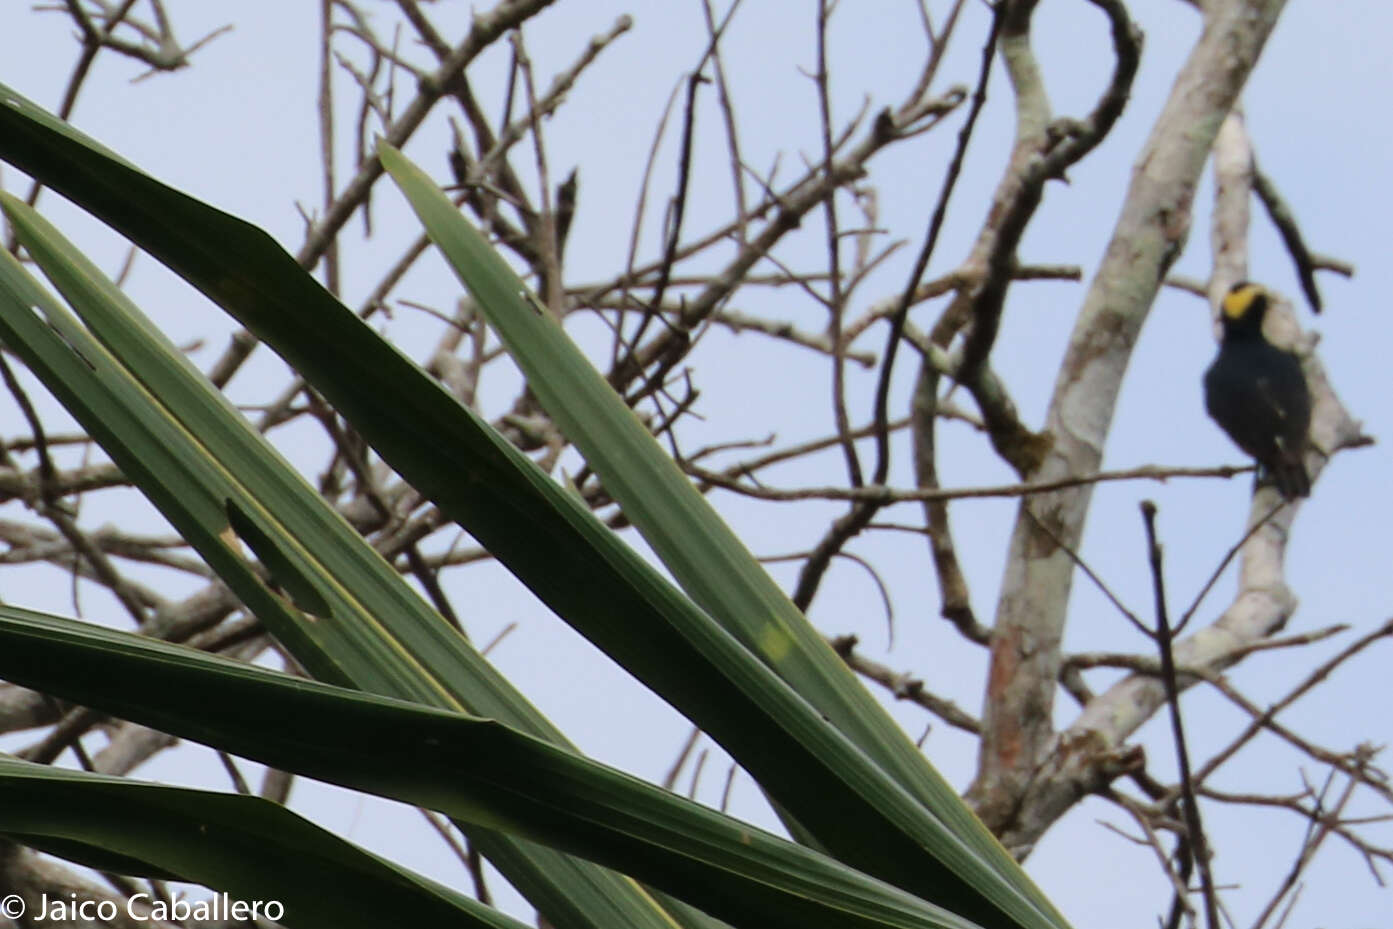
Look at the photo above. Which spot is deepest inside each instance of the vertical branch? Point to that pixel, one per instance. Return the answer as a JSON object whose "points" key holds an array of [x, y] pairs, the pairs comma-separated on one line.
{"points": [[1199, 847], [921, 264], [737, 172], [952, 584], [677, 209], [836, 300], [636, 230], [549, 255], [862, 512], [326, 133]]}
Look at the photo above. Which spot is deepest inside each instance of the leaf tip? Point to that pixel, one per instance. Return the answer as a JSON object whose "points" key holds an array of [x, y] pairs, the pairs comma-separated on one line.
{"points": [[388, 153]]}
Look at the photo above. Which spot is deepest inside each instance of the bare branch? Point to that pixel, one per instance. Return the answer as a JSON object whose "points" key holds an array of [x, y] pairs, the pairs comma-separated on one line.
{"points": [[902, 685], [885, 496]]}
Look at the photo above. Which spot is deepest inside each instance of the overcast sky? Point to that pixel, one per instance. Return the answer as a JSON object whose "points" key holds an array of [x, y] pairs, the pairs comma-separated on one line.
{"points": [[238, 129]]}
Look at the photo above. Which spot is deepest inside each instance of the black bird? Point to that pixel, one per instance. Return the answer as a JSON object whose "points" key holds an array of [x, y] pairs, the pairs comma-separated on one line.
{"points": [[1257, 393]]}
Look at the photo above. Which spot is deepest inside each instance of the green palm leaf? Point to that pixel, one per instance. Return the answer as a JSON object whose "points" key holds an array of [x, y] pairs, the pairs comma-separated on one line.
{"points": [[252, 848], [477, 771]]}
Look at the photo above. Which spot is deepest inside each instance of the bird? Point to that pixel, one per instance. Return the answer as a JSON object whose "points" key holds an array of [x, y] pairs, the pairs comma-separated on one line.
{"points": [[1257, 393]]}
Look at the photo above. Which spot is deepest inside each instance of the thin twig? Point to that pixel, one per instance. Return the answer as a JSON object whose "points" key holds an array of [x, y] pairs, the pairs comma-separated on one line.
{"points": [[885, 496], [1282, 217]]}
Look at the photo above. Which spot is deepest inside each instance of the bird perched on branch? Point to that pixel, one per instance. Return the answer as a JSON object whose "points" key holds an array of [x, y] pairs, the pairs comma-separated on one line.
{"points": [[1257, 393]]}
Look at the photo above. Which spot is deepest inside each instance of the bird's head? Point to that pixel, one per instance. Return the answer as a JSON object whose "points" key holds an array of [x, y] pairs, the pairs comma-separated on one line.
{"points": [[1243, 307]]}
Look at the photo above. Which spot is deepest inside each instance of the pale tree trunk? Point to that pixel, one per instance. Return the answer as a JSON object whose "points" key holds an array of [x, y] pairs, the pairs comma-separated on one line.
{"points": [[1028, 774]]}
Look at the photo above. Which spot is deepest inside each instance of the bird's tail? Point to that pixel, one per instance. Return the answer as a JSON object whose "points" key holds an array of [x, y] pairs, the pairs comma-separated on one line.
{"points": [[1288, 473]]}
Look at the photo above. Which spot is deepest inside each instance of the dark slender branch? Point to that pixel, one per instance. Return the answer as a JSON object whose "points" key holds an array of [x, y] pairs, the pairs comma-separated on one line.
{"points": [[1063, 144], [921, 263], [903, 685], [326, 135], [626, 367], [1223, 563], [36, 427], [234, 774], [860, 515], [1098, 582], [674, 771], [1163, 637], [878, 495], [836, 298], [677, 210], [1266, 718], [76, 721], [550, 287], [728, 113], [1319, 826], [1285, 221], [952, 582]]}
